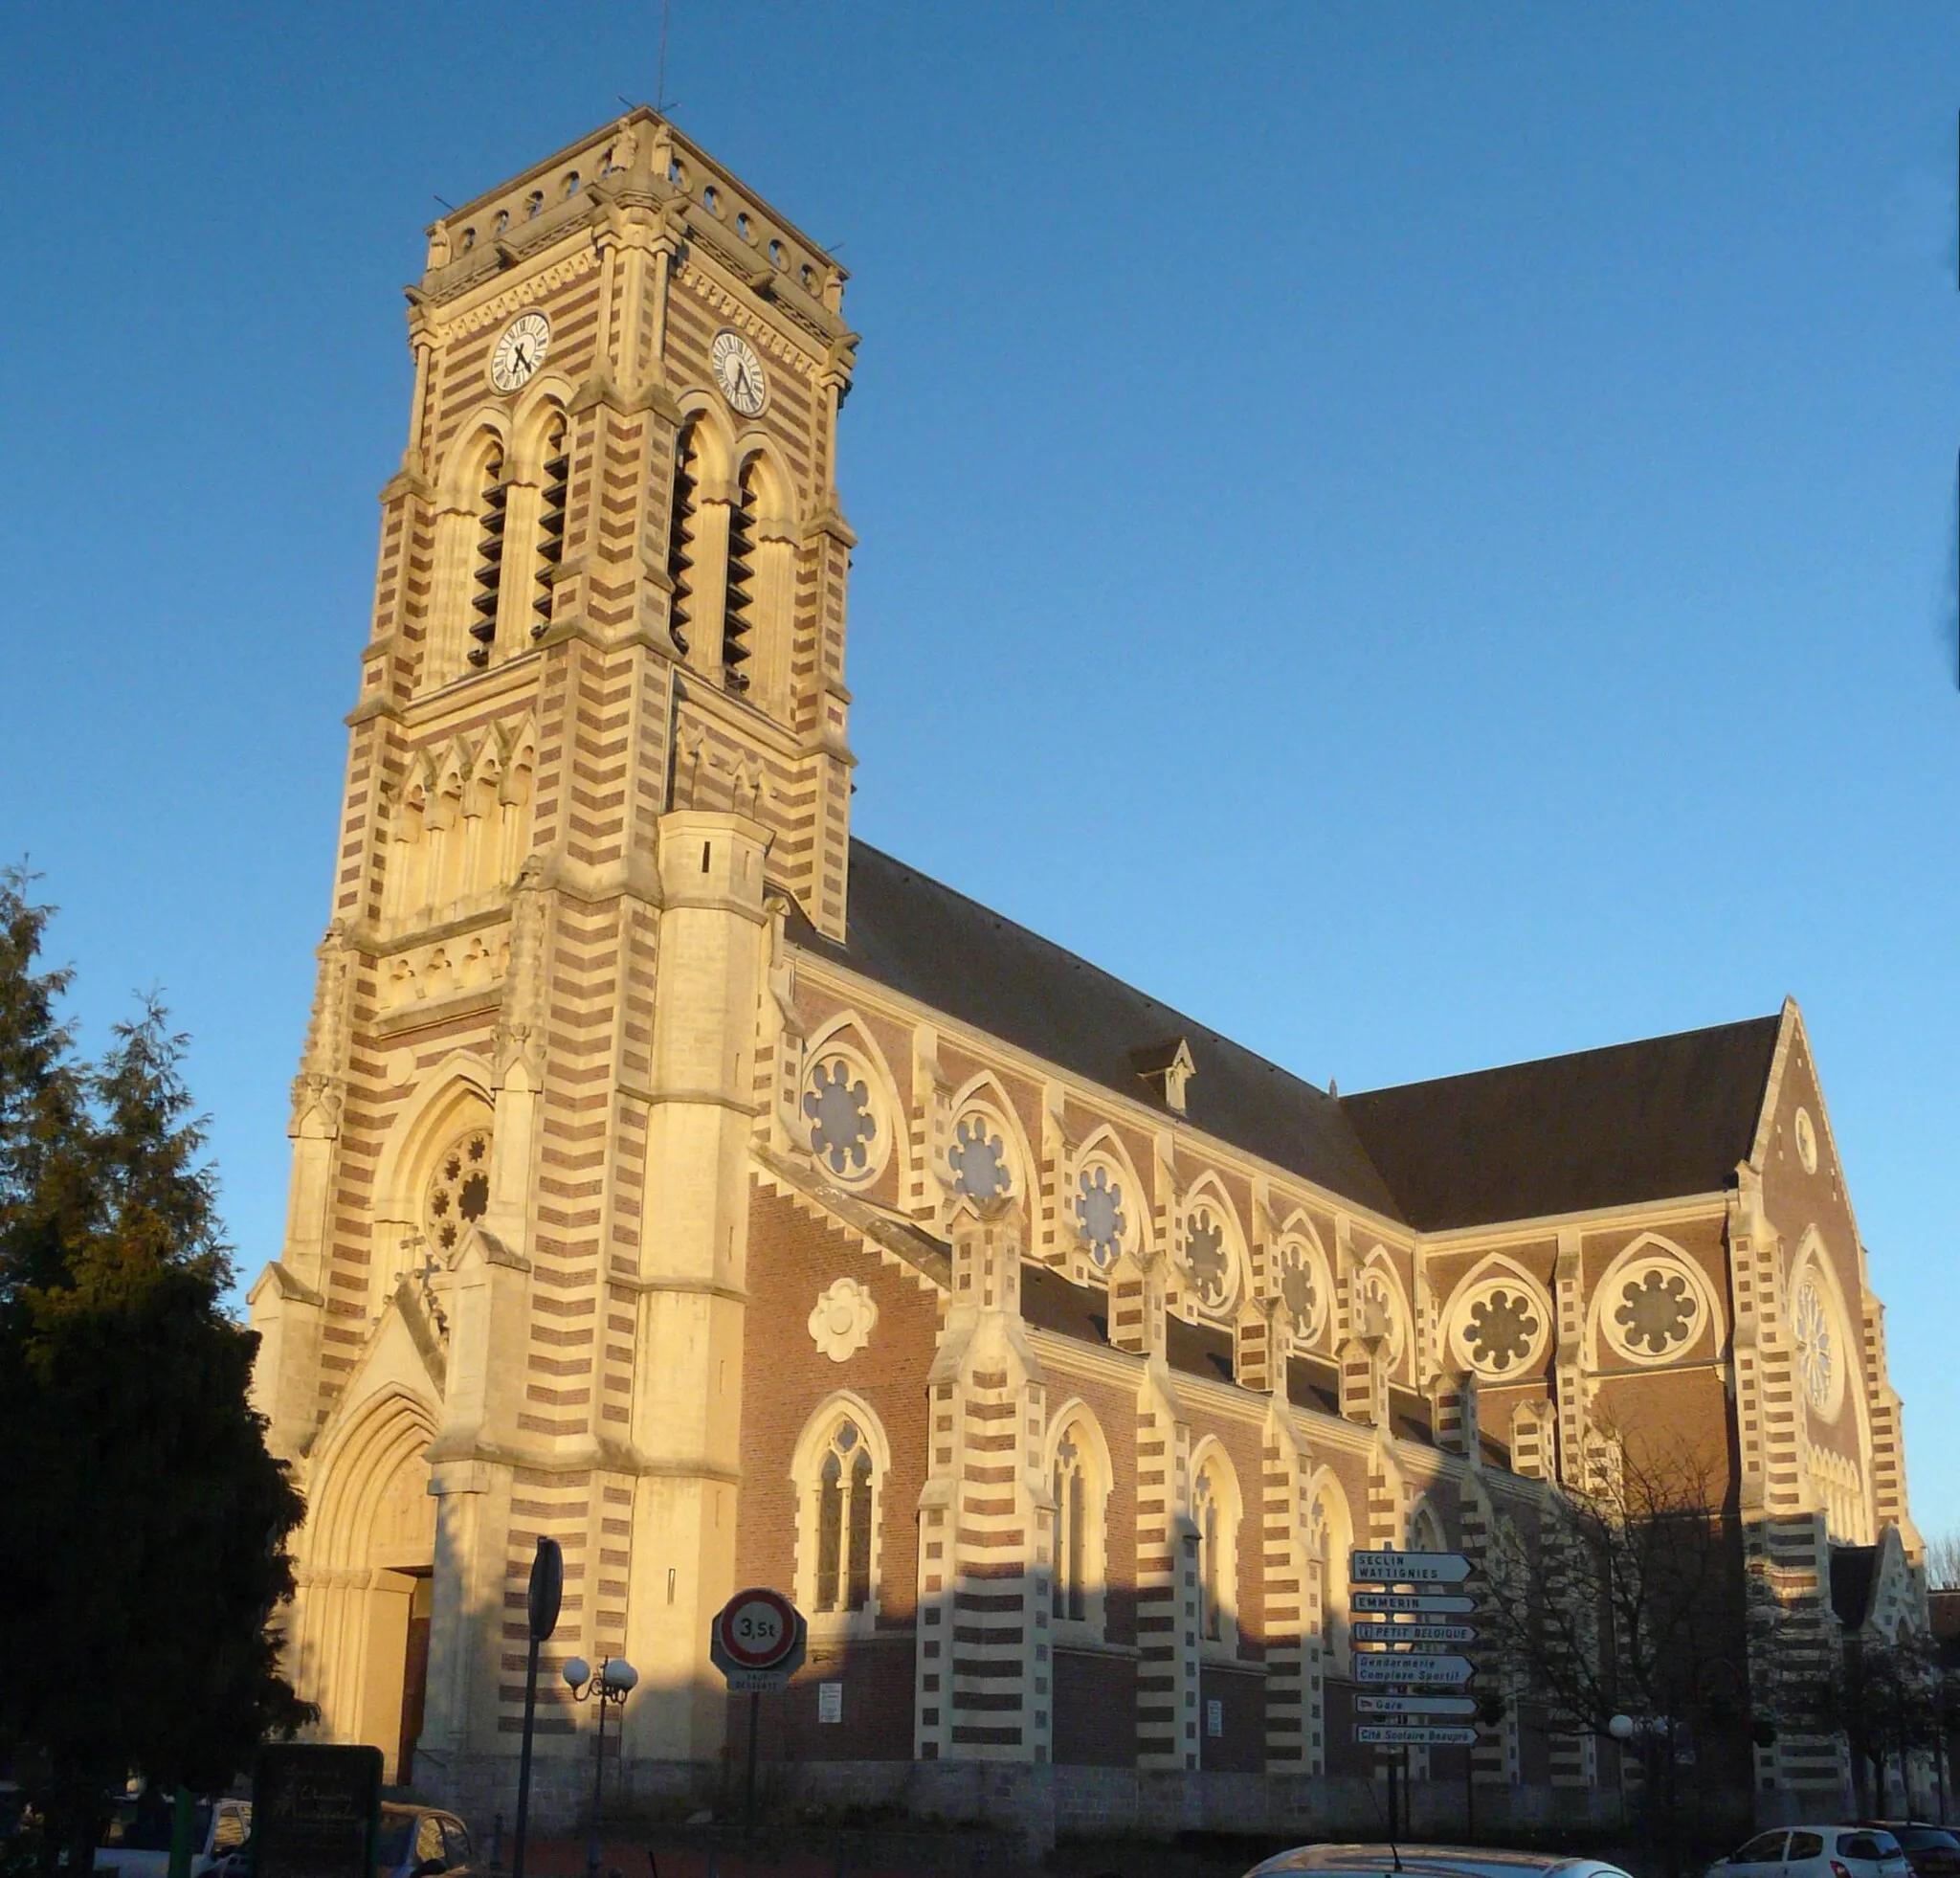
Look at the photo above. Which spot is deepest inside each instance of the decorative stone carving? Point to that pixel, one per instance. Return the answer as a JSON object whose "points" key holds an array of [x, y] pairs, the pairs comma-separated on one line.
{"points": [[842, 1320]]}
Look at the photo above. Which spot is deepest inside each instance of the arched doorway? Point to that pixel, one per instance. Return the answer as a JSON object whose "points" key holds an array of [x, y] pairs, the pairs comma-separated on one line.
{"points": [[373, 1556]]}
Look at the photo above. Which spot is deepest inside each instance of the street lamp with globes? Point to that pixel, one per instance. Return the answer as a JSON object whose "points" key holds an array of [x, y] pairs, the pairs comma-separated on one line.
{"points": [[611, 1684]]}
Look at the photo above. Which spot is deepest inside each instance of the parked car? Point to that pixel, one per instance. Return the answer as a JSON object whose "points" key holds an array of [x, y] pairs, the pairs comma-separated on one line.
{"points": [[1931, 1850], [1819, 1851], [418, 1842], [1433, 1862], [137, 1844]]}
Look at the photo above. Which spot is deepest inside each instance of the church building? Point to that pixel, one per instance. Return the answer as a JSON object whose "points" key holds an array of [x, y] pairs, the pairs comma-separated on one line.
{"points": [[680, 1177]]}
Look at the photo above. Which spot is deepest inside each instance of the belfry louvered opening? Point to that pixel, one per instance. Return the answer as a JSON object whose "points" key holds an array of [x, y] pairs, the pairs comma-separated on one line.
{"points": [[551, 522], [493, 504], [681, 533], [736, 619]]}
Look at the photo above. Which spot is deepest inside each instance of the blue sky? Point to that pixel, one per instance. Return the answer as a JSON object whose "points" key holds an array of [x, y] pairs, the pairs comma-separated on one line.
{"points": [[1422, 534]]}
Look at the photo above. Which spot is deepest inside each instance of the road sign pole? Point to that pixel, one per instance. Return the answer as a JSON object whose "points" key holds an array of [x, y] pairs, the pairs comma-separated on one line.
{"points": [[748, 1802], [542, 1598]]}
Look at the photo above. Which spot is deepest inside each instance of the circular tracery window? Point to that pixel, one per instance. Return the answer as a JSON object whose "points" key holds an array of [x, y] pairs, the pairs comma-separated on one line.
{"points": [[1499, 1328], [1103, 1212], [458, 1190], [1816, 1352], [1211, 1256], [1653, 1313], [1301, 1285], [1379, 1309], [845, 1131], [979, 1157]]}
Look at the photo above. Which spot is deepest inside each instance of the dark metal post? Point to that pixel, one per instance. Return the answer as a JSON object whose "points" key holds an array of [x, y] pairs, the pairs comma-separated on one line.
{"points": [[598, 1790], [523, 1762], [749, 1805], [541, 1600]]}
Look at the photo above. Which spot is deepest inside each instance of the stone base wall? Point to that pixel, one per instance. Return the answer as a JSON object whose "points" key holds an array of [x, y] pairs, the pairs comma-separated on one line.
{"points": [[1036, 1803]]}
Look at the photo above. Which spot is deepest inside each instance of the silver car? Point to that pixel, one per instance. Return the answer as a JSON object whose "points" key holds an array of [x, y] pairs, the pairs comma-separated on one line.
{"points": [[1816, 1851], [1434, 1861]]}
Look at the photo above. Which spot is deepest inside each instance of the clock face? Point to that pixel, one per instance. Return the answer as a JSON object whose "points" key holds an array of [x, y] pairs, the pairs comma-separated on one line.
{"points": [[739, 373], [519, 352]]}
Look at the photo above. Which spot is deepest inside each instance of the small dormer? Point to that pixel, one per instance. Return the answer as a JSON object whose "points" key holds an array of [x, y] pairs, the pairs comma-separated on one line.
{"points": [[1167, 1067]]}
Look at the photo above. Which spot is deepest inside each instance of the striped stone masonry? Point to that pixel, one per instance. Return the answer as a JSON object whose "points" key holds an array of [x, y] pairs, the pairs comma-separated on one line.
{"points": [[984, 1670]]}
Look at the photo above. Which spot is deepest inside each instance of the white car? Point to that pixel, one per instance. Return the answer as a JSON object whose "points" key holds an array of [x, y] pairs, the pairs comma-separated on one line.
{"points": [[1816, 1851], [137, 1844], [1430, 1862]]}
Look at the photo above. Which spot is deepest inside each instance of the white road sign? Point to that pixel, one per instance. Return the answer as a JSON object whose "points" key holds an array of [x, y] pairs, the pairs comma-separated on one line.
{"points": [[1408, 1667], [1395, 1736], [1415, 1633], [1419, 1604], [1414, 1704], [1408, 1567]]}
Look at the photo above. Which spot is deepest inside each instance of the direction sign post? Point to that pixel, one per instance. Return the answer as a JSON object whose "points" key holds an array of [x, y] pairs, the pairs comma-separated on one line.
{"points": [[757, 1643], [1406, 1628]]}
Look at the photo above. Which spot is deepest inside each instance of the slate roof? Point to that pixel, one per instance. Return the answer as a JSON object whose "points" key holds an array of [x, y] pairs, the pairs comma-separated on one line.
{"points": [[911, 933], [1650, 1120]]}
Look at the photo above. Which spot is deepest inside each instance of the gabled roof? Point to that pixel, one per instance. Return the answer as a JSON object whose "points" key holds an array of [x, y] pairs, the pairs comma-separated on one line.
{"points": [[1653, 1120], [1657, 1119], [922, 939]]}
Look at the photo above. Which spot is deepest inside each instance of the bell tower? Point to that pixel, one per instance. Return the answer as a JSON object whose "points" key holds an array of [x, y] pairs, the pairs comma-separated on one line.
{"points": [[600, 743]]}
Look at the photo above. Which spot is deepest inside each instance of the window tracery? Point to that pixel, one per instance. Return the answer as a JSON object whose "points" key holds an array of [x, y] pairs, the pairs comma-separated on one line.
{"points": [[839, 1471], [1103, 1216], [1300, 1277], [1652, 1309], [1379, 1309], [458, 1191], [1212, 1258], [843, 1110], [1811, 1334], [979, 1157], [1500, 1327]]}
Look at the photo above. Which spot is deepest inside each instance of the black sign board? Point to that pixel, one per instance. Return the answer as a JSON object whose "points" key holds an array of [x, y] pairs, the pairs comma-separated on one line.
{"points": [[316, 1811], [546, 1590]]}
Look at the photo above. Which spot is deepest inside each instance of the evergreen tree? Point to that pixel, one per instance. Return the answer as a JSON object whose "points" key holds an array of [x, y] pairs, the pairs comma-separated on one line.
{"points": [[144, 1522]]}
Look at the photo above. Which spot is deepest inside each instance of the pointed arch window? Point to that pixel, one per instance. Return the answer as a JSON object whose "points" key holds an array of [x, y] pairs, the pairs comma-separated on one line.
{"points": [[1205, 1514], [738, 606], [685, 487], [487, 581], [1071, 1534], [846, 1488], [557, 468]]}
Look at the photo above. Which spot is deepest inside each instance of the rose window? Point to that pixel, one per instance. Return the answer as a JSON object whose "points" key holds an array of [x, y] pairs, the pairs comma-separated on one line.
{"points": [[1299, 1289], [842, 1128], [1501, 1330], [460, 1189], [979, 1159], [1658, 1311], [1811, 1329], [1207, 1256], [1100, 1216]]}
